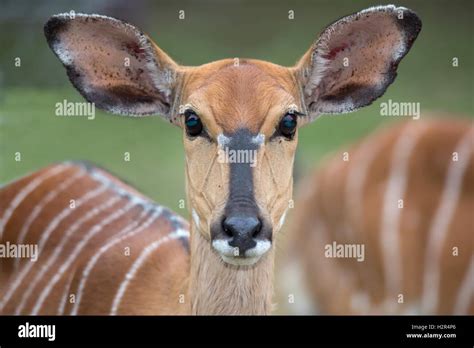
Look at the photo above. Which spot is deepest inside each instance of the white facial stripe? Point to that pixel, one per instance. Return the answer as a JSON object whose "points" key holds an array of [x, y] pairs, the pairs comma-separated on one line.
{"points": [[259, 139], [195, 218], [293, 108], [186, 107], [282, 219], [222, 140]]}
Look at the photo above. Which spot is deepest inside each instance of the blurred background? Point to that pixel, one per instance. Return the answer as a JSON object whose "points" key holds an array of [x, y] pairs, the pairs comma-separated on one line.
{"points": [[211, 30]]}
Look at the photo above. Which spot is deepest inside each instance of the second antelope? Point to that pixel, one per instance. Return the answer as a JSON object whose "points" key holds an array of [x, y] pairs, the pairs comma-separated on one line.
{"points": [[237, 207], [406, 195]]}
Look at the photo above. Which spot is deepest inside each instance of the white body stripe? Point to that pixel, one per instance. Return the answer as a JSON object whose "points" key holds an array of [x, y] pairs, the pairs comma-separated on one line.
{"points": [[63, 299], [466, 291], [390, 228], [124, 234], [20, 196], [42, 271], [139, 262], [356, 179], [39, 208], [64, 267], [44, 238], [440, 226]]}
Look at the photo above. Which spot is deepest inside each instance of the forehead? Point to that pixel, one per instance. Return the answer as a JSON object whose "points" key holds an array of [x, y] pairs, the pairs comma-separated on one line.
{"points": [[232, 96]]}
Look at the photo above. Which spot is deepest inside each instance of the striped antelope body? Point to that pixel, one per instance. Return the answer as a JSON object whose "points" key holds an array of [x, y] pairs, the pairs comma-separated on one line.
{"points": [[239, 120], [406, 194], [96, 239]]}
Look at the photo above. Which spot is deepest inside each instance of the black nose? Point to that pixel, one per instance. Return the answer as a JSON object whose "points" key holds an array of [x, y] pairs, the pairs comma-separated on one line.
{"points": [[243, 230]]}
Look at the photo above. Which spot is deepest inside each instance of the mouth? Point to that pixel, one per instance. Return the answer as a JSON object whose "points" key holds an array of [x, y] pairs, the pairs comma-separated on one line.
{"points": [[240, 261], [231, 255]]}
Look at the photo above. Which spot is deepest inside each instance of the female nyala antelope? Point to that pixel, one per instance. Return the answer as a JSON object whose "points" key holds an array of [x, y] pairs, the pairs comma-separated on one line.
{"points": [[237, 208], [406, 194]]}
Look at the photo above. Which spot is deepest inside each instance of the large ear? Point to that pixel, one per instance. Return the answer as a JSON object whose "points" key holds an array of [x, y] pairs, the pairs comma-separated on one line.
{"points": [[355, 59], [113, 64]]}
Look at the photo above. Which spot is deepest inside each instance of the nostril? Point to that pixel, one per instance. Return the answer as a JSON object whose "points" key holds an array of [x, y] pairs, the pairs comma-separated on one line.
{"points": [[257, 229], [227, 228]]}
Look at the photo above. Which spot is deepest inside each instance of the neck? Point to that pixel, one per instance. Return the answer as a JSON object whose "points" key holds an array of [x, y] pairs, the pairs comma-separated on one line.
{"points": [[218, 288]]}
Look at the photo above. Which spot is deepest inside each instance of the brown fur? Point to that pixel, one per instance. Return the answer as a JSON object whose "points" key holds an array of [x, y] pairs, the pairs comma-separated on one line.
{"points": [[219, 288], [167, 269], [207, 88]]}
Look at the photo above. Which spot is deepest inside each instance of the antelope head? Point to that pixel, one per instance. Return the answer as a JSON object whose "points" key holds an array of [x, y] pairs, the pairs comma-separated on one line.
{"points": [[240, 117]]}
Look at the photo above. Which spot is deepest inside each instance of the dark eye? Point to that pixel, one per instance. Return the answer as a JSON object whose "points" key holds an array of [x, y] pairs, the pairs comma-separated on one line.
{"points": [[192, 123], [287, 126]]}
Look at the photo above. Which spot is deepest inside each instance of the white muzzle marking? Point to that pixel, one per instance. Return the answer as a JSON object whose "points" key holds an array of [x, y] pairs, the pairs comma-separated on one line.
{"points": [[251, 256]]}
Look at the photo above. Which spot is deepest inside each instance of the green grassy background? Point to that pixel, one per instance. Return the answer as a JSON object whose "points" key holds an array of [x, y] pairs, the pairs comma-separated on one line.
{"points": [[212, 30]]}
